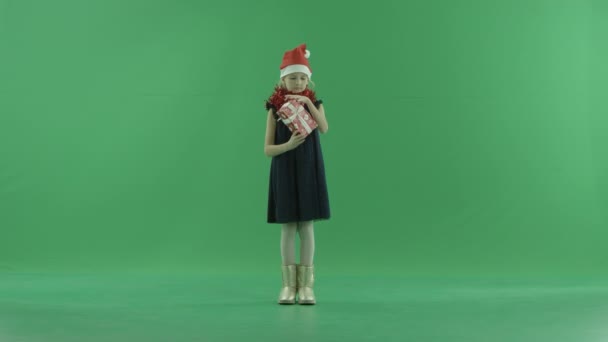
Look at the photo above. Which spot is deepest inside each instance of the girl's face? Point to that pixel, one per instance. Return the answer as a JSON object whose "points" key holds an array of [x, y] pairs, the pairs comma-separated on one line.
{"points": [[296, 82]]}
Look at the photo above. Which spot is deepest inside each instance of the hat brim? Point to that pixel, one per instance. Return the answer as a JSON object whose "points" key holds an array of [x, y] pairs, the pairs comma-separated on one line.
{"points": [[290, 69]]}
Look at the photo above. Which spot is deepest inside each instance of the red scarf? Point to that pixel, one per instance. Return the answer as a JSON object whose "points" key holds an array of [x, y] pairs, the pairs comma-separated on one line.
{"points": [[277, 99]]}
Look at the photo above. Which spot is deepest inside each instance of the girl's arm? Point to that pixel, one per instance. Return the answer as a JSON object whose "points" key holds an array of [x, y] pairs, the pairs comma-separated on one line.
{"points": [[319, 115], [270, 149]]}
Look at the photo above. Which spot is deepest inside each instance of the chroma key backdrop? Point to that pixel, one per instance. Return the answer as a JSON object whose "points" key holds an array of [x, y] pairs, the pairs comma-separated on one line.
{"points": [[466, 163]]}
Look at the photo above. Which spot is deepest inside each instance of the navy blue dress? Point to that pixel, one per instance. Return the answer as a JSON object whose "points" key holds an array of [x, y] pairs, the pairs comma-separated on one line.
{"points": [[298, 188]]}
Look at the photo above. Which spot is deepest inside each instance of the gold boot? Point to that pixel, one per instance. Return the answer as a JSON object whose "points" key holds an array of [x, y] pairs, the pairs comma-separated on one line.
{"points": [[306, 280], [288, 292]]}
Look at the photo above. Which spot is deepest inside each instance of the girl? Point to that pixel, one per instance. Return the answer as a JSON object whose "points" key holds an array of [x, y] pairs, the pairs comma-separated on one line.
{"points": [[298, 191]]}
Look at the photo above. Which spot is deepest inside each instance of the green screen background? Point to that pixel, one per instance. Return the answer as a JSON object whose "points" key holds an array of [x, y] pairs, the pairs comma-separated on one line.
{"points": [[466, 137]]}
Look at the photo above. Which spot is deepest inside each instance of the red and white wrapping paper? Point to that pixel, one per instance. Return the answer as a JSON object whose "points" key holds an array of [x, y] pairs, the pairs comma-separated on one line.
{"points": [[297, 118]]}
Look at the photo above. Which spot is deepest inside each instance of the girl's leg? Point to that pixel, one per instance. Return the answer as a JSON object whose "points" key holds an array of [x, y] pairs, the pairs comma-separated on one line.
{"points": [[288, 240], [305, 277], [307, 243], [289, 268]]}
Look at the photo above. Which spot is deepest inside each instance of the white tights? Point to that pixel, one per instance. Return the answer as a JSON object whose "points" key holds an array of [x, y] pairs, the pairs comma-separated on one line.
{"points": [[307, 242]]}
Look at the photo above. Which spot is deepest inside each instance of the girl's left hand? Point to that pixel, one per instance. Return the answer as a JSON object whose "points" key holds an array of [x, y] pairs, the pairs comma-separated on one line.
{"points": [[299, 98]]}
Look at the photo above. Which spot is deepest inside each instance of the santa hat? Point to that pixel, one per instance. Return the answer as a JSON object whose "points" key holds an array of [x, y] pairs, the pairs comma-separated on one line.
{"points": [[296, 60]]}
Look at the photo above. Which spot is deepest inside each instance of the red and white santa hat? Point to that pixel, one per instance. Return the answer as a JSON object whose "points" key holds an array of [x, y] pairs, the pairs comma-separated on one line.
{"points": [[296, 60]]}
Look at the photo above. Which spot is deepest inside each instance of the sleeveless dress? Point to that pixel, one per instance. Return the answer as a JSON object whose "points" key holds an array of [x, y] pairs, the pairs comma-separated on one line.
{"points": [[298, 188]]}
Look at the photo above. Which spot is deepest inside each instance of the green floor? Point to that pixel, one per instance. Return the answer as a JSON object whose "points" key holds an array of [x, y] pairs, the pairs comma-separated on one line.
{"points": [[113, 307]]}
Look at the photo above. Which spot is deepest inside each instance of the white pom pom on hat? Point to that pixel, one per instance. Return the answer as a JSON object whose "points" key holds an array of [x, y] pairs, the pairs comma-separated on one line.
{"points": [[296, 60]]}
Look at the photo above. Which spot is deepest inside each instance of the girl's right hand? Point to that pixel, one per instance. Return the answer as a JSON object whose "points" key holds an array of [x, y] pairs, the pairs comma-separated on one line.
{"points": [[296, 140]]}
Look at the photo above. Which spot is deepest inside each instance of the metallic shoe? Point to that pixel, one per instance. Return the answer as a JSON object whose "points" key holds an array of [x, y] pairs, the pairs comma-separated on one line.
{"points": [[306, 280], [288, 292]]}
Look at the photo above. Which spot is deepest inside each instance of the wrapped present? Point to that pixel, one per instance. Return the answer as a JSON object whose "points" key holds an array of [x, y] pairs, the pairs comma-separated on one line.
{"points": [[297, 118]]}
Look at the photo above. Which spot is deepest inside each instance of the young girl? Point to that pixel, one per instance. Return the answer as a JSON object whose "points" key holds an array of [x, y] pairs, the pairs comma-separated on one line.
{"points": [[298, 191]]}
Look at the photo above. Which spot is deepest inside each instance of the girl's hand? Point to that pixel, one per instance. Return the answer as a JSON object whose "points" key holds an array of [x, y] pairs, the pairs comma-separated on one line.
{"points": [[296, 140], [302, 99]]}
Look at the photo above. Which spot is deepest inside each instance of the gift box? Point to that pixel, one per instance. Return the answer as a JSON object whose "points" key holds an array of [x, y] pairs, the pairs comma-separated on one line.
{"points": [[297, 118]]}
